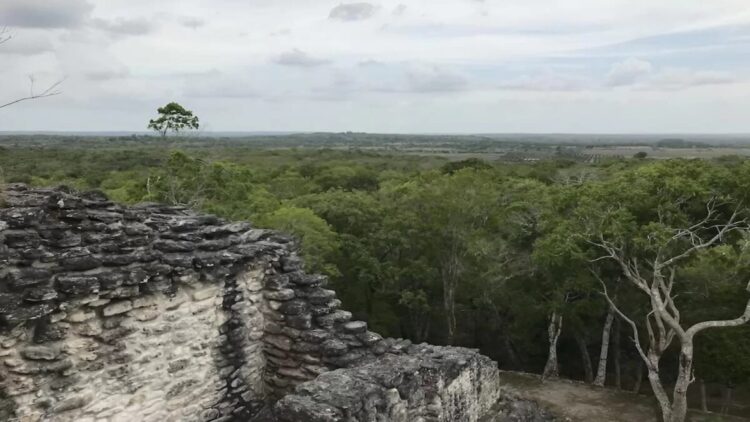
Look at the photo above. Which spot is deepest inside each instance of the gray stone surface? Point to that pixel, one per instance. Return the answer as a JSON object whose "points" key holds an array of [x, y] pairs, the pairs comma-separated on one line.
{"points": [[427, 383]]}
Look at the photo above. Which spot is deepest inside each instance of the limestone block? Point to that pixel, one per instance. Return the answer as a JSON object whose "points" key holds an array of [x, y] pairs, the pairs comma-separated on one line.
{"points": [[144, 314], [117, 308], [279, 295], [144, 301], [70, 404], [355, 327], [99, 303], [334, 347], [41, 352], [280, 342], [204, 294], [274, 305], [80, 315]]}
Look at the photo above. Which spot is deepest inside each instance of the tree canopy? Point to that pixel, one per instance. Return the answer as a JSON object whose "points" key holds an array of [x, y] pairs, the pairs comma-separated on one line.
{"points": [[510, 258], [175, 118]]}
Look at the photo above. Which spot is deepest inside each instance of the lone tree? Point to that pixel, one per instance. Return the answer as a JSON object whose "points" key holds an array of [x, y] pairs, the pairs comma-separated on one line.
{"points": [[173, 117]]}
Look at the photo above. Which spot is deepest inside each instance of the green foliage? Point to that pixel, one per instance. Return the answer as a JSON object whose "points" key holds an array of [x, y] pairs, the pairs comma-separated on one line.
{"points": [[346, 177], [319, 242], [389, 229], [473, 163], [173, 117]]}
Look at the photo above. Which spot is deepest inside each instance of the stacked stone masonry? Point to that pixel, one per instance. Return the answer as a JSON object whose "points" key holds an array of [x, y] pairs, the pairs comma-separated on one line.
{"points": [[155, 313]]}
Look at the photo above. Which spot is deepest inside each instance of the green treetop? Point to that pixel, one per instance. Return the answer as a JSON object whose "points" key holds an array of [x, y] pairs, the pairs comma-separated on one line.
{"points": [[173, 117]]}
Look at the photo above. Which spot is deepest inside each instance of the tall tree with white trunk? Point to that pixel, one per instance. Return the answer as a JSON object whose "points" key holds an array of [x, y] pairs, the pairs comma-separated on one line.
{"points": [[601, 370], [554, 329], [657, 278], [653, 225]]}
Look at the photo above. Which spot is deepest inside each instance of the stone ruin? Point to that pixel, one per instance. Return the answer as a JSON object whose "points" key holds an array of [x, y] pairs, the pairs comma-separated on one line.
{"points": [[156, 313]]}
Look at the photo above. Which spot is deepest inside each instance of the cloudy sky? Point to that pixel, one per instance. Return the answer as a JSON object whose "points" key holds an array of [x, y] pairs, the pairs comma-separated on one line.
{"points": [[584, 66]]}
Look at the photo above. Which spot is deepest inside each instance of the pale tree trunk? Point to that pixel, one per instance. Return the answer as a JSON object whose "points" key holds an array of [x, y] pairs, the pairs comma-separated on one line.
{"points": [[684, 379], [618, 355], [601, 371], [652, 366], [449, 302], [585, 358], [552, 368], [450, 274], [704, 402]]}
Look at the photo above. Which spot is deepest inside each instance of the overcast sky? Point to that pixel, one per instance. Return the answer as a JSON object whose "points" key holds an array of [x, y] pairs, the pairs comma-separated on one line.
{"points": [[584, 66]]}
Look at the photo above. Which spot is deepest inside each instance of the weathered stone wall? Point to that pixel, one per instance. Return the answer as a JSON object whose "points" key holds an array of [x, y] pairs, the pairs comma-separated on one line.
{"points": [[149, 313], [423, 383]]}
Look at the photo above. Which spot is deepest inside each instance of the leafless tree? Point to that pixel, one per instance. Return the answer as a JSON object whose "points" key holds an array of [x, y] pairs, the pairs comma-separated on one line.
{"points": [[656, 280], [50, 91]]}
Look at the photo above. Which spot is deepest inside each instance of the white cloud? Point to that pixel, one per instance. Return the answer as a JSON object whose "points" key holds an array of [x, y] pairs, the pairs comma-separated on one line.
{"points": [[30, 44], [352, 11], [192, 22], [106, 74], [298, 58], [629, 72], [546, 83], [387, 60], [644, 75], [121, 26], [216, 84], [685, 78], [44, 13], [435, 79]]}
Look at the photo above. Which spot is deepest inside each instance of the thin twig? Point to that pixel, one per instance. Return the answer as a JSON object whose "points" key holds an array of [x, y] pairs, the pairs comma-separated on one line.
{"points": [[51, 91]]}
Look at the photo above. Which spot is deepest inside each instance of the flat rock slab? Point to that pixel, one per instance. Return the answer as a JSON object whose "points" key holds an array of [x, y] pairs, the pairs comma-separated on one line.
{"points": [[425, 383]]}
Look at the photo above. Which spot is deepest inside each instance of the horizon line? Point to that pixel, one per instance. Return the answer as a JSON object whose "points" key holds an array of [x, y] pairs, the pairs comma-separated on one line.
{"points": [[302, 132]]}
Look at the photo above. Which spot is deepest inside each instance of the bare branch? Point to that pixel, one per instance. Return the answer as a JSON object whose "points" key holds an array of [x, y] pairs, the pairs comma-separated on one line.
{"points": [[629, 268], [5, 35], [733, 224], [636, 336], [741, 320], [51, 91]]}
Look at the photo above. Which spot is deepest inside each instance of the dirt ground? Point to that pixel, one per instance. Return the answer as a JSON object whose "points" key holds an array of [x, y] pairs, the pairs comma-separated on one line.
{"points": [[575, 401]]}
